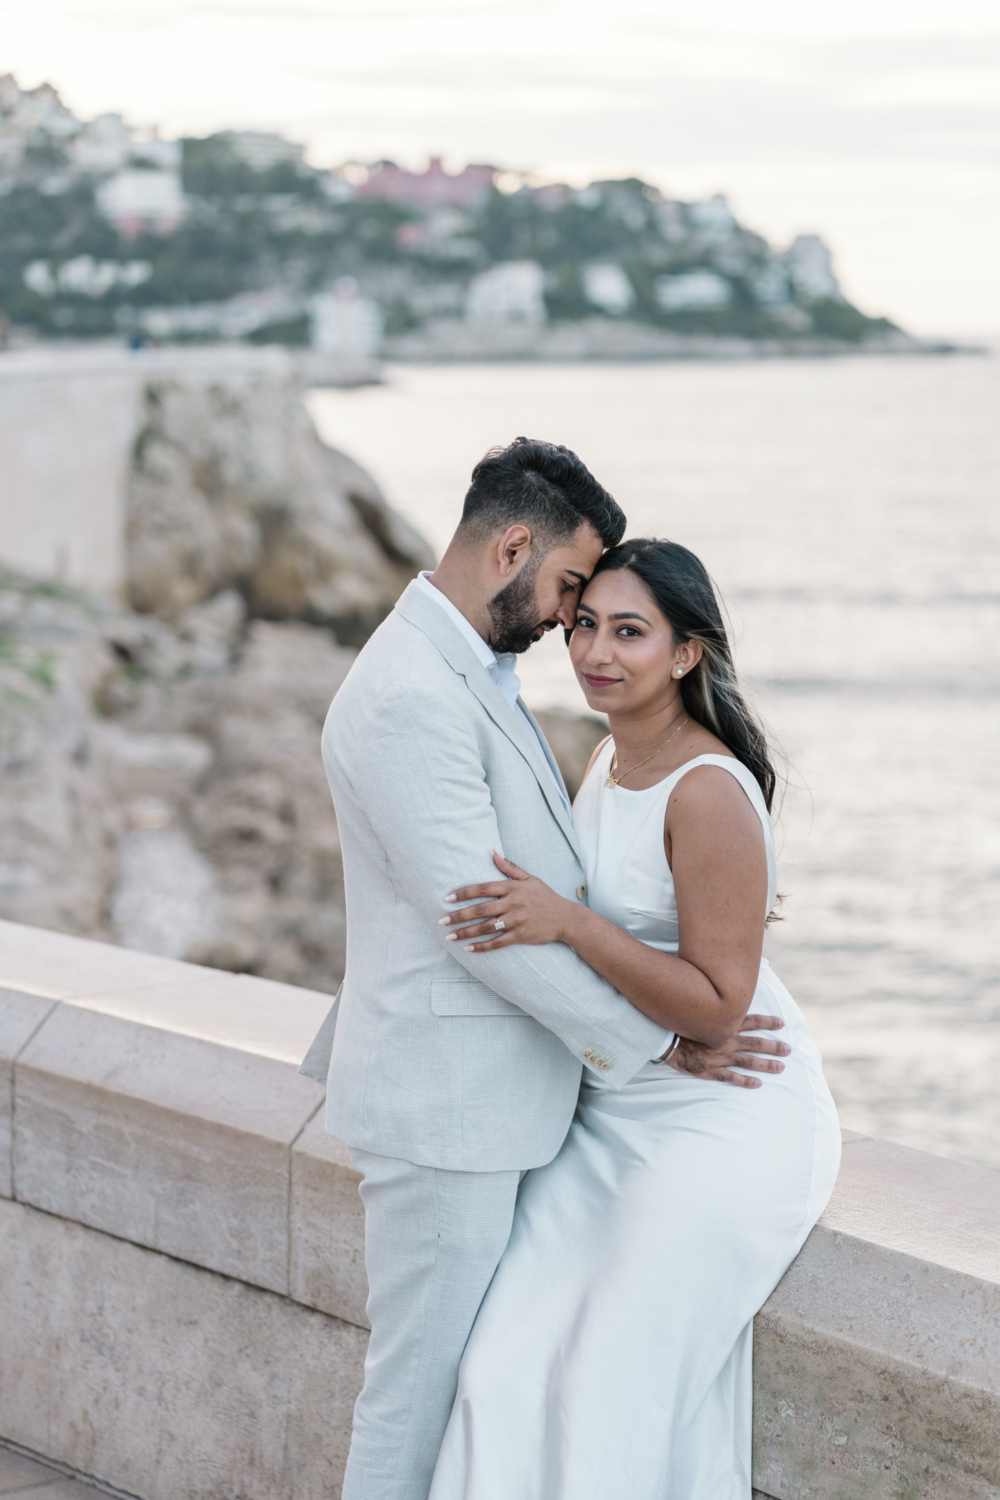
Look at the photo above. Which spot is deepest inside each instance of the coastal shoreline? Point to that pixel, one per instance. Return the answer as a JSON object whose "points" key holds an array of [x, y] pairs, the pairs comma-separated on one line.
{"points": [[587, 339]]}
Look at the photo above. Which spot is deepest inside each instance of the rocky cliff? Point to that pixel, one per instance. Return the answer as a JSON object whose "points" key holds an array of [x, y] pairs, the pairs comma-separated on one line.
{"points": [[161, 783], [161, 777], [231, 487]]}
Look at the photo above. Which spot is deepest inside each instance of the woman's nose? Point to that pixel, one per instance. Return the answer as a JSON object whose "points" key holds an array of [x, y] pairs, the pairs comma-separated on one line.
{"points": [[598, 649]]}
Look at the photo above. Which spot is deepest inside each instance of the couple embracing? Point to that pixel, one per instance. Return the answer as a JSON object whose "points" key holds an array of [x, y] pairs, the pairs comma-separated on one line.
{"points": [[578, 1193]]}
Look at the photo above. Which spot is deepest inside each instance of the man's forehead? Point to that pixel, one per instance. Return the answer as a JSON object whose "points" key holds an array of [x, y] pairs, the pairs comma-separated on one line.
{"points": [[582, 550]]}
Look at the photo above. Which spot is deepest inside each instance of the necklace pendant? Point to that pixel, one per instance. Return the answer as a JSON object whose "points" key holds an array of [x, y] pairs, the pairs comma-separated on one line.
{"points": [[611, 782]]}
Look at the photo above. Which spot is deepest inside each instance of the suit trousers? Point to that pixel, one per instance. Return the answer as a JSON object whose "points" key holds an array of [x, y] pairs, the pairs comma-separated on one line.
{"points": [[433, 1239]]}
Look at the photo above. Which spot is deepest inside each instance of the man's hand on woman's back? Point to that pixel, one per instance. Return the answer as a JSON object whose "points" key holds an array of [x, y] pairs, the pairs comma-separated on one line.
{"points": [[758, 1053]]}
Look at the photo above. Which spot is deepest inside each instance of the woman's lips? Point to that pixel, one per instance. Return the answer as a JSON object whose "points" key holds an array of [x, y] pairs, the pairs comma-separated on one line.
{"points": [[601, 681]]}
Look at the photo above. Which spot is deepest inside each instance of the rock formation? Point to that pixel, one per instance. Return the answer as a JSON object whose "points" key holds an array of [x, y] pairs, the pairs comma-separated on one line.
{"points": [[573, 739], [161, 783], [232, 488]]}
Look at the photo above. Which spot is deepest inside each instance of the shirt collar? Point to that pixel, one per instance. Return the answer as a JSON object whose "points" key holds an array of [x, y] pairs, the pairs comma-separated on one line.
{"points": [[500, 668], [484, 655]]}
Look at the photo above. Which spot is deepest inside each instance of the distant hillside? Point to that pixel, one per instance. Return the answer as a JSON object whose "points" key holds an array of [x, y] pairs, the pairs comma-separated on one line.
{"points": [[104, 232]]}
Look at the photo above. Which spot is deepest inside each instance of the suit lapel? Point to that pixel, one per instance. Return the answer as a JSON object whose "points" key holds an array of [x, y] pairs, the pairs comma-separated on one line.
{"points": [[427, 617], [547, 750]]}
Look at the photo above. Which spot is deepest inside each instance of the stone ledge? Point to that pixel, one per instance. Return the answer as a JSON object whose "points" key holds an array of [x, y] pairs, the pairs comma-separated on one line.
{"points": [[20, 1017], [235, 1010], [327, 1227], [164, 1380], [159, 1101], [166, 1140], [159, 1104], [877, 1358], [21, 1471]]}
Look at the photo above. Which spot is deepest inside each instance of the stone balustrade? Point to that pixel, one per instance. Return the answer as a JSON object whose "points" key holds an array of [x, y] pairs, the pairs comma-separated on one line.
{"points": [[181, 1248]]}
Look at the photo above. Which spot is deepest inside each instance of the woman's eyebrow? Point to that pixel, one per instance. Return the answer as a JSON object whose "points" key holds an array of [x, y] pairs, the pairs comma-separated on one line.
{"points": [[631, 615]]}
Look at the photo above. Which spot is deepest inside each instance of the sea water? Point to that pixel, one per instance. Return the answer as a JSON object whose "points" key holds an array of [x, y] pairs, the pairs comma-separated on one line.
{"points": [[849, 510]]}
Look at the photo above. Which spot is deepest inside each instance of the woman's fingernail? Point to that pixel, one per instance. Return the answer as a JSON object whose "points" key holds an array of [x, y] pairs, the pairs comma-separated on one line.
{"points": [[471, 947], [452, 937], [452, 897], [443, 921]]}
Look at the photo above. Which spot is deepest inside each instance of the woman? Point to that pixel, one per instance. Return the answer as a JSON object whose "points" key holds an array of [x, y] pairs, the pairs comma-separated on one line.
{"points": [[611, 1358]]}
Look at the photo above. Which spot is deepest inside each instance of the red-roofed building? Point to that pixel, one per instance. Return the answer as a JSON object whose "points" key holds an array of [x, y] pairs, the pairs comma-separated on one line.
{"points": [[432, 188]]}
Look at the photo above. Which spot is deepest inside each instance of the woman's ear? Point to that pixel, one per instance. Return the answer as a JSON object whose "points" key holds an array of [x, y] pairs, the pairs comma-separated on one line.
{"points": [[689, 654]]}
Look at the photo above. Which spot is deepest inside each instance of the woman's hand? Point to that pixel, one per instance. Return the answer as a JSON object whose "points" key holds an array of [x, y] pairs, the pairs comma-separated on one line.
{"points": [[530, 911]]}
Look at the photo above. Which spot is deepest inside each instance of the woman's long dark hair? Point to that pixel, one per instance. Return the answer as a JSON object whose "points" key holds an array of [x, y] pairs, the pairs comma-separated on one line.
{"points": [[683, 591]]}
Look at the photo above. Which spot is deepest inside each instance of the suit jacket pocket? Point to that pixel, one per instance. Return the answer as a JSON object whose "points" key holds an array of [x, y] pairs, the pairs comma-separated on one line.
{"points": [[466, 997]]}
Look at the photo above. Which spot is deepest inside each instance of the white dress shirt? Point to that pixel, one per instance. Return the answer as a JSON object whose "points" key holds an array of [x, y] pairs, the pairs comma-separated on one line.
{"points": [[501, 669]]}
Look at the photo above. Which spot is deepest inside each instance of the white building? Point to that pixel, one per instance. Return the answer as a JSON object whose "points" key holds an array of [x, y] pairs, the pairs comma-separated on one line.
{"points": [[513, 292], [770, 284], [261, 149], [153, 151], [84, 275], [27, 113], [234, 318], [137, 200], [345, 323], [712, 218], [605, 285], [693, 291], [102, 146], [810, 266]]}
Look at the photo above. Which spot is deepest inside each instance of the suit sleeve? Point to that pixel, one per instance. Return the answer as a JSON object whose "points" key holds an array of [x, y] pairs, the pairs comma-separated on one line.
{"points": [[420, 778]]}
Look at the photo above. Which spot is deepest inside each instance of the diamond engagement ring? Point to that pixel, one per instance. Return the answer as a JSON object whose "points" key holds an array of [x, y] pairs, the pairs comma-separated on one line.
{"points": [[498, 924]]}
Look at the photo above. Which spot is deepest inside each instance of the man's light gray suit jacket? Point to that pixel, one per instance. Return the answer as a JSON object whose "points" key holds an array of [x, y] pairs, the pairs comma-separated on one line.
{"points": [[467, 1061]]}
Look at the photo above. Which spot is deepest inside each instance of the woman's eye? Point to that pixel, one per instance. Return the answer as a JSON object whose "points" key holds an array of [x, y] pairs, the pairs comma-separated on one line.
{"points": [[628, 631], [582, 623]]}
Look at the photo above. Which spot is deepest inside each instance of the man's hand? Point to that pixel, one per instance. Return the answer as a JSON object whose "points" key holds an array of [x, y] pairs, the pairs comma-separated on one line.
{"points": [[741, 1051]]}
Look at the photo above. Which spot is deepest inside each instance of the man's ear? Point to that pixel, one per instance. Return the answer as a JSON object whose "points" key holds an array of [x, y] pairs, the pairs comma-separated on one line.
{"points": [[512, 549]]}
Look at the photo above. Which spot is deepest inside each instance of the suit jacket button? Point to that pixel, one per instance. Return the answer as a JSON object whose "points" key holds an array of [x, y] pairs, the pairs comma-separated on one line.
{"points": [[581, 893]]}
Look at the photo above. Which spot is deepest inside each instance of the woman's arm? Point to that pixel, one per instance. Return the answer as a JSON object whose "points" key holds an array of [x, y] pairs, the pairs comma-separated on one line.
{"points": [[715, 846]]}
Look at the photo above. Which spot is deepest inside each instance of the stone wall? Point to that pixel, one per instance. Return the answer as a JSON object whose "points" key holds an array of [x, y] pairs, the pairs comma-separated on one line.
{"points": [[182, 1256]]}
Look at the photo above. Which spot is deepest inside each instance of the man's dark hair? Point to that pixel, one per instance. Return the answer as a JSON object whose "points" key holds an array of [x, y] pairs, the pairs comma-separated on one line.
{"points": [[542, 486]]}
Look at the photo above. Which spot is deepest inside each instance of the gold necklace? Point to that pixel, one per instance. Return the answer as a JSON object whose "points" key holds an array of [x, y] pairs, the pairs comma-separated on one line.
{"points": [[613, 780]]}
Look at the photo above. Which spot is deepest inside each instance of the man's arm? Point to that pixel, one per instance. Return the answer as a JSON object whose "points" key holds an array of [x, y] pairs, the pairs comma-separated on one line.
{"points": [[419, 776]]}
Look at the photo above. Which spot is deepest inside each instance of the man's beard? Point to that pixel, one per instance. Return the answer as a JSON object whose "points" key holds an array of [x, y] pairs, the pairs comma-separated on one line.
{"points": [[514, 614]]}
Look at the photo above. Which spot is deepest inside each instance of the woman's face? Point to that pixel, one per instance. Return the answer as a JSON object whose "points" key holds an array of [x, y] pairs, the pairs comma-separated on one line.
{"points": [[623, 649]]}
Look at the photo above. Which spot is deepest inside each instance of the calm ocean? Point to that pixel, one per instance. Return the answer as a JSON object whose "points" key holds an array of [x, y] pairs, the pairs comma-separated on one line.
{"points": [[849, 509]]}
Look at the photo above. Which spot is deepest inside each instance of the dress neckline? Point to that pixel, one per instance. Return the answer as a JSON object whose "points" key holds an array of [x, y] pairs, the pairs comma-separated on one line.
{"points": [[642, 790]]}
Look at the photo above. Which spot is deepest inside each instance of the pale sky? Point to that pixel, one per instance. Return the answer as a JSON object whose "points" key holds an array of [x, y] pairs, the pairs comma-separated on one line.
{"points": [[873, 122]]}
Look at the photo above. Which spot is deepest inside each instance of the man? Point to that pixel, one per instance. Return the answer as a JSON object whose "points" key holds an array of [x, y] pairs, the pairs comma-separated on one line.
{"points": [[453, 1073]]}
